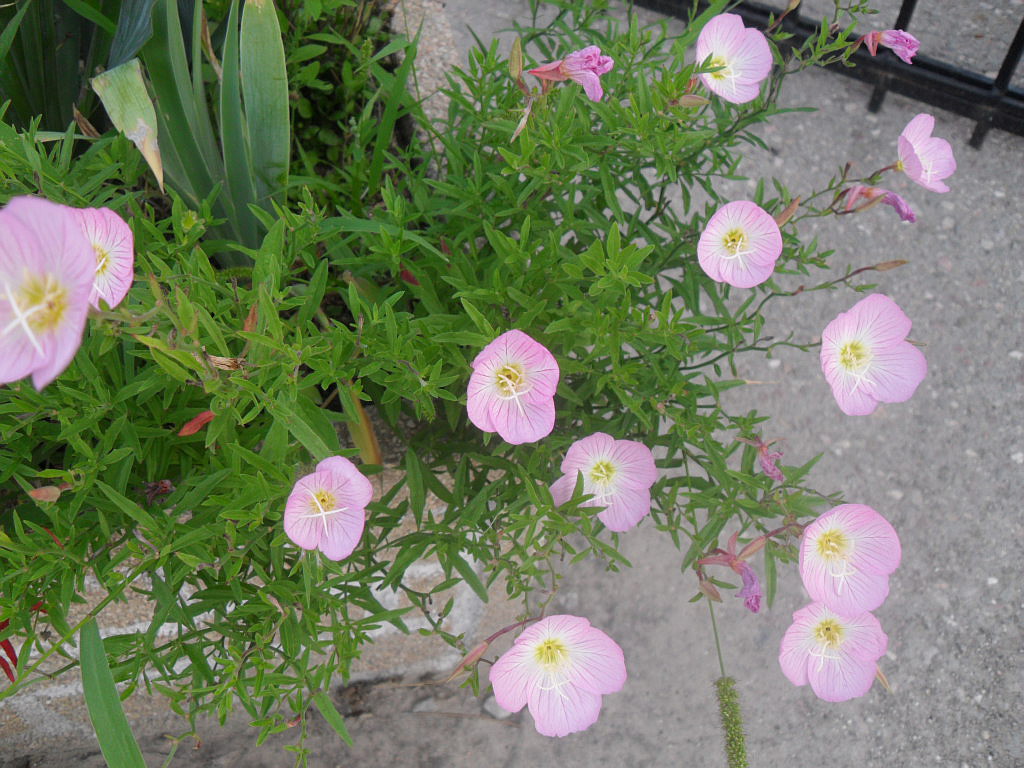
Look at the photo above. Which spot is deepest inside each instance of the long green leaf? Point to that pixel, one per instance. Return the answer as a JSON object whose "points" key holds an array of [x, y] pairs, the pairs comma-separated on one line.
{"points": [[332, 715], [134, 28], [86, 11], [7, 37], [117, 743], [265, 88], [233, 136], [397, 97]]}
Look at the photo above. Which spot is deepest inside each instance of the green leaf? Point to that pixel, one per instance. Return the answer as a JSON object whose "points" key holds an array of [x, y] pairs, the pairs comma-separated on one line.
{"points": [[117, 743], [331, 714], [466, 571], [7, 37], [134, 28], [86, 11], [265, 88], [123, 93]]}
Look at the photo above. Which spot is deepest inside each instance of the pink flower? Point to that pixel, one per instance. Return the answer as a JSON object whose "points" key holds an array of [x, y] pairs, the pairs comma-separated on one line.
{"points": [[743, 55], [766, 458], [926, 159], [584, 67], [560, 667], [327, 509], [46, 274], [751, 589], [617, 473], [740, 245], [113, 245], [875, 195], [512, 389], [903, 44], [866, 359], [836, 654], [846, 556]]}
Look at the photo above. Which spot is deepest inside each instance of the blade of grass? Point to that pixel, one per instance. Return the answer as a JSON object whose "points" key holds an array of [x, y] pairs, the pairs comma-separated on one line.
{"points": [[397, 98], [108, 720]]}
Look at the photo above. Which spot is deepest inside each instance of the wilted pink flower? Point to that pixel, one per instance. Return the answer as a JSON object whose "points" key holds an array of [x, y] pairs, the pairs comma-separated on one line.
{"points": [[751, 589], [846, 556], [926, 159], [560, 667], [866, 358], [584, 67], [512, 389], [46, 274], [618, 473], [743, 55], [327, 509], [766, 458], [113, 245], [740, 245], [903, 44], [836, 654], [874, 195]]}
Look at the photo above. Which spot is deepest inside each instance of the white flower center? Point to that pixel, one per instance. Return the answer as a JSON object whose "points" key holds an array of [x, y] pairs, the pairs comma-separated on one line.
{"points": [[736, 244], [39, 307], [322, 500]]}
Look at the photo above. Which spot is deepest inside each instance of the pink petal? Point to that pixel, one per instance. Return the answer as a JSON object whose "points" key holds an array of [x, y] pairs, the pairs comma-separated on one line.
{"points": [[552, 71], [794, 651], [876, 544], [636, 464], [560, 711], [591, 85], [107, 231], [518, 422], [344, 530], [583, 452], [897, 372], [512, 677], [919, 128], [348, 481], [627, 508], [840, 679], [562, 488]]}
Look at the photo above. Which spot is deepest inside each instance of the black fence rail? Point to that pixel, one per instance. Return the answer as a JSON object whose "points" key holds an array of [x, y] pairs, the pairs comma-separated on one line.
{"points": [[991, 103]]}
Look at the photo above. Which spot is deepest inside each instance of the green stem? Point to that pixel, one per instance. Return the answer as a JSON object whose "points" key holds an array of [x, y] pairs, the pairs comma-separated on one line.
{"points": [[714, 629]]}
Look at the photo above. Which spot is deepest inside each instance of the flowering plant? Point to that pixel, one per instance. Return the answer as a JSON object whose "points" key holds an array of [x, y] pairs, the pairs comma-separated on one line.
{"points": [[543, 332]]}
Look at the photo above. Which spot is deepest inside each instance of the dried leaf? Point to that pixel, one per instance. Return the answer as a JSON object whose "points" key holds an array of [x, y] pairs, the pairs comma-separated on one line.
{"points": [[45, 493], [788, 212], [196, 424]]}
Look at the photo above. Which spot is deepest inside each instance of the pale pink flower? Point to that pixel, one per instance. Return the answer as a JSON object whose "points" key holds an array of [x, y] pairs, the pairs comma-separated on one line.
{"points": [[113, 246], [743, 55], [559, 667], [740, 245], [617, 473], [584, 67], [46, 273], [926, 159], [846, 556], [903, 44], [326, 510], [866, 358], [836, 654], [874, 195], [512, 389]]}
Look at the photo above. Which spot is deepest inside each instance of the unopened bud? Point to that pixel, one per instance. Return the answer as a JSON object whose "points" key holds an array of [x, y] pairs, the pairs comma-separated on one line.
{"points": [[753, 548], [793, 5], [515, 60], [470, 659], [885, 266], [709, 590], [689, 100], [787, 212], [880, 675]]}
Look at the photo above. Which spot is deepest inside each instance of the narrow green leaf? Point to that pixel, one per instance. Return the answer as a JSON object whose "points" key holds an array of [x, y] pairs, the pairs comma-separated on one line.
{"points": [[134, 28], [7, 37], [331, 714], [123, 93], [86, 11], [466, 571], [234, 139], [105, 711], [265, 89]]}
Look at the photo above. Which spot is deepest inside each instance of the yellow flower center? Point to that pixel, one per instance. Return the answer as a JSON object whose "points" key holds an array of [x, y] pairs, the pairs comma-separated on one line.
{"points": [[833, 544], [602, 472], [44, 302], [722, 74], [735, 241], [102, 259], [323, 499], [829, 633], [510, 380], [551, 653], [854, 356]]}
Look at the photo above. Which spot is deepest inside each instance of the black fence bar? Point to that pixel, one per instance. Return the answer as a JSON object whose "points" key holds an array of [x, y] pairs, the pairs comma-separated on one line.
{"points": [[990, 103]]}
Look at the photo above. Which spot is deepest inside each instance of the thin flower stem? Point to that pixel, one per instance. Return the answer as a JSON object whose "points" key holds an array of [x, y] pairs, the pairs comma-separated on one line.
{"points": [[714, 629]]}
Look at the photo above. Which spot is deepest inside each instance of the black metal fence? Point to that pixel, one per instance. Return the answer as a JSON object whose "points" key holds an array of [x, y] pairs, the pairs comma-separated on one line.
{"points": [[991, 103]]}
